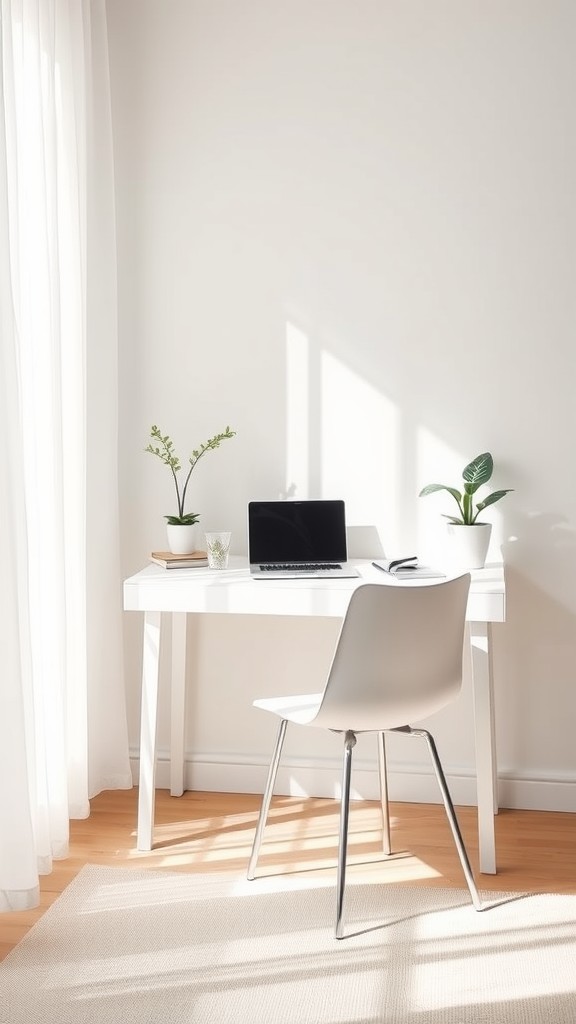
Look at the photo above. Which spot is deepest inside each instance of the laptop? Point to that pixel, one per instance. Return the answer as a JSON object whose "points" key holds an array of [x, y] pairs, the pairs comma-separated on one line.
{"points": [[297, 539]]}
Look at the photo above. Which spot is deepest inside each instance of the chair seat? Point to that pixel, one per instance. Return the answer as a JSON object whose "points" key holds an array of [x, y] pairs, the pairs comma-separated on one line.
{"points": [[301, 708]]}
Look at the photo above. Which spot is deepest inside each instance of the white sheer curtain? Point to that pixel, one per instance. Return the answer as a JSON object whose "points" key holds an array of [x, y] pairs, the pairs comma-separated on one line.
{"points": [[63, 734]]}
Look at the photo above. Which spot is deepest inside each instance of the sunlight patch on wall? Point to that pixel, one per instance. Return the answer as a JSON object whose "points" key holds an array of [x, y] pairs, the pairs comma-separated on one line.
{"points": [[297, 415], [437, 463], [359, 457]]}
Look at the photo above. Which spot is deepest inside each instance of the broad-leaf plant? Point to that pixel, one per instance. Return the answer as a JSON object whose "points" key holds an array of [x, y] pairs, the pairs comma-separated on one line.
{"points": [[475, 474]]}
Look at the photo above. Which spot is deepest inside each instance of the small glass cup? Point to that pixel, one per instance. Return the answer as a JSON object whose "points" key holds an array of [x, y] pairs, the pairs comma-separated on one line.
{"points": [[218, 549]]}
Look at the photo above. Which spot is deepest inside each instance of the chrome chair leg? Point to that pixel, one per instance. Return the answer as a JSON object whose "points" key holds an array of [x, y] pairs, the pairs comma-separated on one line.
{"points": [[383, 773], [349, 743], [451, 814], [272, 771]]}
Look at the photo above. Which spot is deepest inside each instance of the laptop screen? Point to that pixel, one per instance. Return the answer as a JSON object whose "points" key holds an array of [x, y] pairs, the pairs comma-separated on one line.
{"points": [[296, 531]]}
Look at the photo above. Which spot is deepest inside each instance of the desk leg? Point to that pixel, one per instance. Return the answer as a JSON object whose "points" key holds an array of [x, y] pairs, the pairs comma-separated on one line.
{"points": [[480, 645], [148, 719], [178, 703]]}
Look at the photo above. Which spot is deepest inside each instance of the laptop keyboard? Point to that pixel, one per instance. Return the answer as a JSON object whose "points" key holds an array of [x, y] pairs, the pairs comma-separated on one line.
{"points": [[300, 567]]}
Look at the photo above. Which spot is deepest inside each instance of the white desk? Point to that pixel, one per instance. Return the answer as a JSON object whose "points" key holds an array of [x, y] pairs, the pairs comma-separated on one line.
{"points": [[155, 590]]}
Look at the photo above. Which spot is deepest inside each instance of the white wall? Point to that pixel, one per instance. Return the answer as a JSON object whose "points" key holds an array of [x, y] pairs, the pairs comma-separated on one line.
{"points": [[384, 193]]}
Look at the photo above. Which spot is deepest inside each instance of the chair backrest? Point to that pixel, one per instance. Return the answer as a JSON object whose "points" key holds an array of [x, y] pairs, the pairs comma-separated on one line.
{"points": [[399, 656]]}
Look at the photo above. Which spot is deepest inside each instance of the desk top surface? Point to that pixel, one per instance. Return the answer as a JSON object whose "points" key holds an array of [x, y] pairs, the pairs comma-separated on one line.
{"points": [[234, 591]]}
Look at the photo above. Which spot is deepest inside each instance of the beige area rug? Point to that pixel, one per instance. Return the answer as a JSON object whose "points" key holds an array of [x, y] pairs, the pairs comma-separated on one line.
{"points": [[124, 946]]}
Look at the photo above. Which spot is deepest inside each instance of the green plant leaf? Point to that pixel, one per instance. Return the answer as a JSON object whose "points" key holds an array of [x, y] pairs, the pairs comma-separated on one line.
{"points": [[432, 488], [479, 470], [186, 520], [492, 498]]}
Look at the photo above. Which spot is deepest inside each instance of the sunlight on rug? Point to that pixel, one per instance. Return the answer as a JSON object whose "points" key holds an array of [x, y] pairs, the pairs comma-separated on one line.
{"points": [[126, 946]]}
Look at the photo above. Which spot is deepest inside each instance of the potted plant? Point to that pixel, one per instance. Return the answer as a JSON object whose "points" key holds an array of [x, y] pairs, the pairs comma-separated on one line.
{"points": [[472, 544], [180, 527]]}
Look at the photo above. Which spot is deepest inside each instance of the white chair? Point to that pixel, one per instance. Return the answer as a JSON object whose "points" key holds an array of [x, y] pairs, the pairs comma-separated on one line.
{"points": [[398, 659]]}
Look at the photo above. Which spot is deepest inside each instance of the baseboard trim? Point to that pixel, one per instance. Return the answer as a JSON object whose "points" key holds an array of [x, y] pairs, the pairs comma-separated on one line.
{"points": [[408, 783]]}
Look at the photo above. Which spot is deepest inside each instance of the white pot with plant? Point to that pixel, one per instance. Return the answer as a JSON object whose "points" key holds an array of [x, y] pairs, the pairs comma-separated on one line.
{"points": [[469, 539], [181, 527]]}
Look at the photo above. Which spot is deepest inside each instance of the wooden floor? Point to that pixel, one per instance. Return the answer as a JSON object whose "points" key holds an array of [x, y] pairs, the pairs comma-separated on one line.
{"points": [[536, 850]]}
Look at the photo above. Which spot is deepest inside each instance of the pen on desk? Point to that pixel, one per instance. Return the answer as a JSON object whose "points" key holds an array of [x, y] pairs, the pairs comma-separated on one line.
{"points": [[398, 564], [402, 563]]}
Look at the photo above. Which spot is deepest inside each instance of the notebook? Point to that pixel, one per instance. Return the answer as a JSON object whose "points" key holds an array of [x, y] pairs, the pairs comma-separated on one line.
{"points": [[297, 539]]}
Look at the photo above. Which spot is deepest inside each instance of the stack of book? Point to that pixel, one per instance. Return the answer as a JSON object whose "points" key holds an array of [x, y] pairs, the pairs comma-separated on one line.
{"points": [[193, 560]]}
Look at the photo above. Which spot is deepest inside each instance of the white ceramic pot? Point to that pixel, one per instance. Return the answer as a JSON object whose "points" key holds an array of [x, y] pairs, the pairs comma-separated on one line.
{"points": [[181, 539], [468, 545]]}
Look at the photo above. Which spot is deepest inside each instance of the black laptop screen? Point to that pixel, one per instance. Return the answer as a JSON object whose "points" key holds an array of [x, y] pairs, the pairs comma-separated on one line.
{"points": [[296, 531]]}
